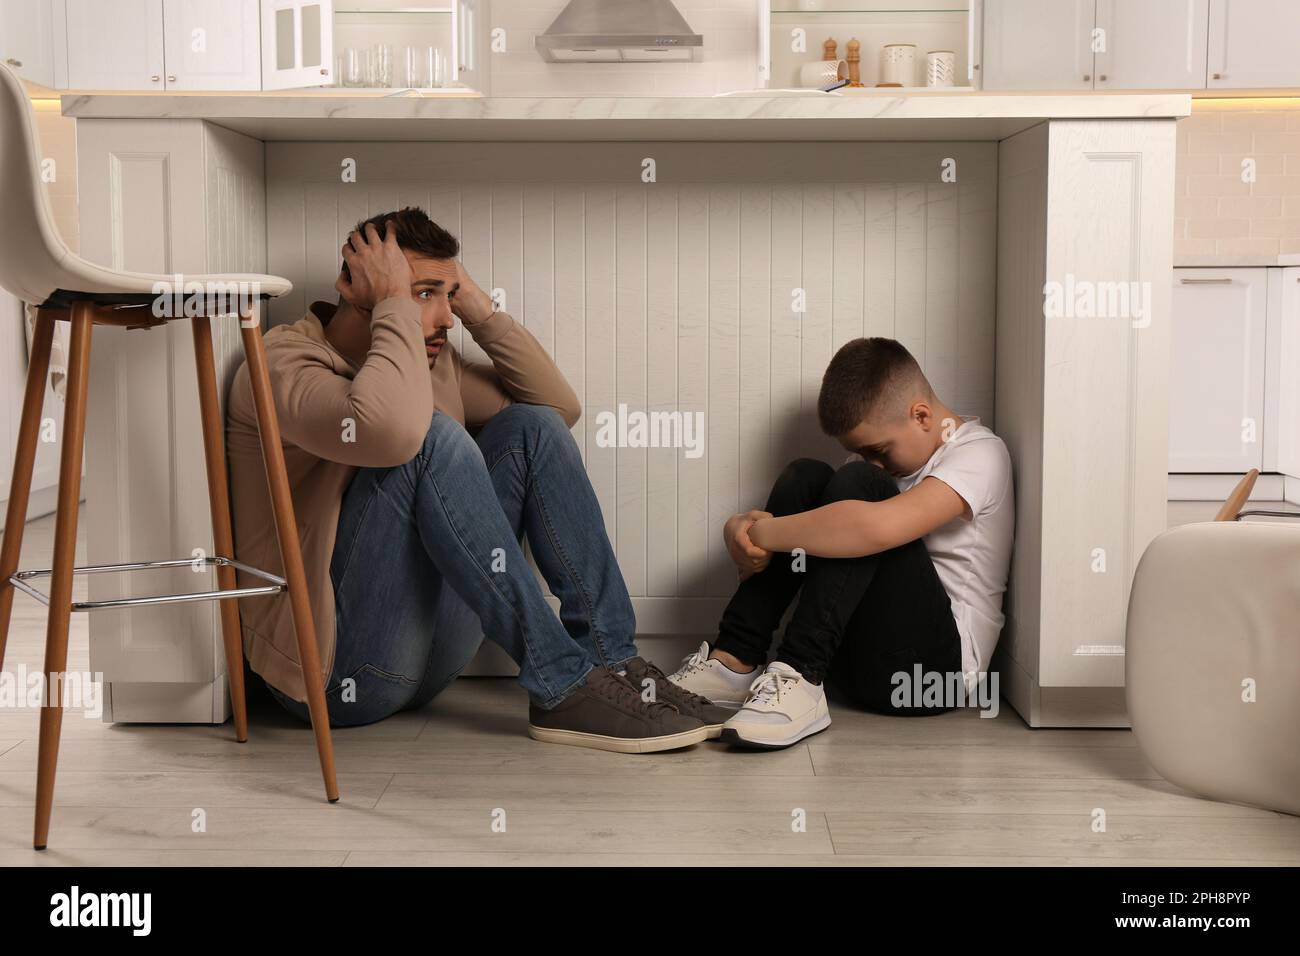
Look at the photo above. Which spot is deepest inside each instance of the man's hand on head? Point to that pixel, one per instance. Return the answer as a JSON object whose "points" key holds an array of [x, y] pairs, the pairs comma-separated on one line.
{"points": [[470, 303], [374, 269]]}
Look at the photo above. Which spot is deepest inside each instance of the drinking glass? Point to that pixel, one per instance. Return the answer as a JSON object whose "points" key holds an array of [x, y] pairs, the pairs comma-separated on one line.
{"points": [[354, 67], [383, 64], [416, 63]]}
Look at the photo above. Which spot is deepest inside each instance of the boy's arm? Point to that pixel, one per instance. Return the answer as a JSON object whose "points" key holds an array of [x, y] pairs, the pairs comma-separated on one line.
{"points": [[852, 529]]}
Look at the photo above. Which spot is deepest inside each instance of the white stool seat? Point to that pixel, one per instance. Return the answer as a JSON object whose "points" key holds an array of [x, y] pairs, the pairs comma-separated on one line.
{"points": [[35, 263]]}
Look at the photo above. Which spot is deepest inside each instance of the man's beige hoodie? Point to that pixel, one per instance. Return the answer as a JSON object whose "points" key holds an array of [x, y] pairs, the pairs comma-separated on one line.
{"points": [[336, 417]]}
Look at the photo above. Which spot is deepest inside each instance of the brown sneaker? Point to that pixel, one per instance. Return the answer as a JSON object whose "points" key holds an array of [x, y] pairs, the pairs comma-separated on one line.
{"points": [[639, 670], [607, 713]]}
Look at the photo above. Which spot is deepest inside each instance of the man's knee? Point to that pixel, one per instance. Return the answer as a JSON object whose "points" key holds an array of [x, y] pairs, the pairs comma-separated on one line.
{"points": [[539, 429], [446, 435], [525, 416], [860, 480]]}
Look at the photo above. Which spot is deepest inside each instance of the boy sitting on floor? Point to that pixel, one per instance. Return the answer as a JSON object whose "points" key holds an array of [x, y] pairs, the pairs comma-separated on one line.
{"points": [[902, 558]]}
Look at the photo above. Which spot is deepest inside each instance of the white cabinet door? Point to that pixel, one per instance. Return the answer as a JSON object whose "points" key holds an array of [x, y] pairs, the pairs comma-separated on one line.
{"points": [[1254, 43], [297, 43], [1216, 370], [1287, 426], [1152, 45], [27, 38], [470, 44], [115, 44], [1038, 44], [213, 44]]}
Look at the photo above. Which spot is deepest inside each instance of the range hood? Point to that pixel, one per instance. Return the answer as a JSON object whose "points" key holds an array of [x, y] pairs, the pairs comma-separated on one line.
{"points": [[608, 31]]}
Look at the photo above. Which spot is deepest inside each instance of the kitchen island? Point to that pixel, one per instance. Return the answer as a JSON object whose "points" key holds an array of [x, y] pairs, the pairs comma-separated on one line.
{"points": [[693, 254]]}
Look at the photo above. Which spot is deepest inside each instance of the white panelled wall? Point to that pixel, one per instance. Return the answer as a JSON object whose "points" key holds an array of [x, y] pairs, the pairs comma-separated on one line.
{"points": [[677, 295]]}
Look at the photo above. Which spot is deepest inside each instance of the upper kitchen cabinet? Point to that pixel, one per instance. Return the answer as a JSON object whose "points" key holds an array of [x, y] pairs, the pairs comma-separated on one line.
{"points": [[412, 44], [28, 32], [1254, 44], [1151, 45], [115, 44], [212, 44], [1094, 44], [163, 44], [297, 43], [1038, 44]]}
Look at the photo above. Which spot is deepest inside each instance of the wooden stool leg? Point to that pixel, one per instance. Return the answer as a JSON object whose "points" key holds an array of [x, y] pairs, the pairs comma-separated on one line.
{"points": [[286, 530], [214, 454], [38, 368], [65, 554]]}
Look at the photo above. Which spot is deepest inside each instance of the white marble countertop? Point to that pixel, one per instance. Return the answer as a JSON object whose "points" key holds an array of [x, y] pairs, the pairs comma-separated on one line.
{"points": [[756, 115]]}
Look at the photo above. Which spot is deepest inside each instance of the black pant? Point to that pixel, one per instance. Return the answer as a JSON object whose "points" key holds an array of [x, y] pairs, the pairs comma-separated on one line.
{"points": [[858, 620]]}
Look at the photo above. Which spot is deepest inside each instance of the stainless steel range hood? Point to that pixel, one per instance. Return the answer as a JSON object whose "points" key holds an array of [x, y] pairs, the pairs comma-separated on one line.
{"points": [[605, 31]]}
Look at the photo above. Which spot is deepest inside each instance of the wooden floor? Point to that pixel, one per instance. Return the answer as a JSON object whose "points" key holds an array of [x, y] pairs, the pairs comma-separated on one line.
{"points": [[423, 788]]}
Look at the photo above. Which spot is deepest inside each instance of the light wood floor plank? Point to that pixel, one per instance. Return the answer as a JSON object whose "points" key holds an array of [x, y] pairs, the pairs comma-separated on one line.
{"points": [[459, 858], [345, 827], [634, 792], [1225, 840]]}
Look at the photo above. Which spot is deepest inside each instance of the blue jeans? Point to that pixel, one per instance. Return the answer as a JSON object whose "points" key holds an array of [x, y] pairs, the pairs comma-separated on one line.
{"points": [[428, 559]]}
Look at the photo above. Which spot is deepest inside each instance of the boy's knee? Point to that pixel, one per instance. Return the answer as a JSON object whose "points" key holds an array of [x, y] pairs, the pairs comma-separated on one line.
{"points": [[804, 473], [860, 480]]}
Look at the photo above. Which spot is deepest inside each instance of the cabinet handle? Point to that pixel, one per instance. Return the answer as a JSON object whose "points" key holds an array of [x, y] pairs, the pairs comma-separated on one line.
{"points": [[12, 62], [1087, 77], [171, 79], [1216, 76], [154, 78], [324, 72], [1102, 77], [1208, 281]]}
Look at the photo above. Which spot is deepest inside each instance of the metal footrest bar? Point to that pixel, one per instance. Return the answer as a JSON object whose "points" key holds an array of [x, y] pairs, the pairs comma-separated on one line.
{"points": [[277, 585], [1266, 514]]}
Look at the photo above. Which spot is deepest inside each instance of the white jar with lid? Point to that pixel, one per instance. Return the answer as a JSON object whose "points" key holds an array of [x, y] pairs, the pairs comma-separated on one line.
{"points": [[898, 64]]}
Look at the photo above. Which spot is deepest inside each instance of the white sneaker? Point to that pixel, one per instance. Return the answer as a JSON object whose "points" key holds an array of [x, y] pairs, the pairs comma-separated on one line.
{"points": [[782, 709], [713, 679]]}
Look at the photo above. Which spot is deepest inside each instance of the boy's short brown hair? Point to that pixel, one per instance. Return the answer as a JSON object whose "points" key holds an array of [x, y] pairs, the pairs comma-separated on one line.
{"points": [[868, 378]]}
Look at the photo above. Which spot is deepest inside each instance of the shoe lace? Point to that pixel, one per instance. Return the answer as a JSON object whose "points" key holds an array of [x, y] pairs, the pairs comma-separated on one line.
{"points": [[661, 679], [769, 686], [692, 662], [617, 689]]}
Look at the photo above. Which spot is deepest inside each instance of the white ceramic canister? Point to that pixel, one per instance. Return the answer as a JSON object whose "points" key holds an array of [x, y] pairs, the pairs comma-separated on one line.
{"points": [[898, 64], [822, 73], [940, 68]]}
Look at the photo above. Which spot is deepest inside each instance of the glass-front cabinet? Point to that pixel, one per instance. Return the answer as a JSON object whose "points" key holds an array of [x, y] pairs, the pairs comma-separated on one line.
{"points": [[375, 45]]}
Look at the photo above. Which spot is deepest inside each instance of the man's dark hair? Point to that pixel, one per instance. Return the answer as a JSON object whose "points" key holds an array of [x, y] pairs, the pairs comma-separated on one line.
{"points": [[416, 233], [868, 378]]}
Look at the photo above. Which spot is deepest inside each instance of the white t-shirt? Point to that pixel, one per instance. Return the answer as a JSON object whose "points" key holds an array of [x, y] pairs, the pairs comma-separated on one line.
{"points": [[973, 555]]}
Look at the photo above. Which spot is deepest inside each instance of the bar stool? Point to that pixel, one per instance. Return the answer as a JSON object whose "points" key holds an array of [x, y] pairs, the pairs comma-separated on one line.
{"points": [[36, 266]]}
